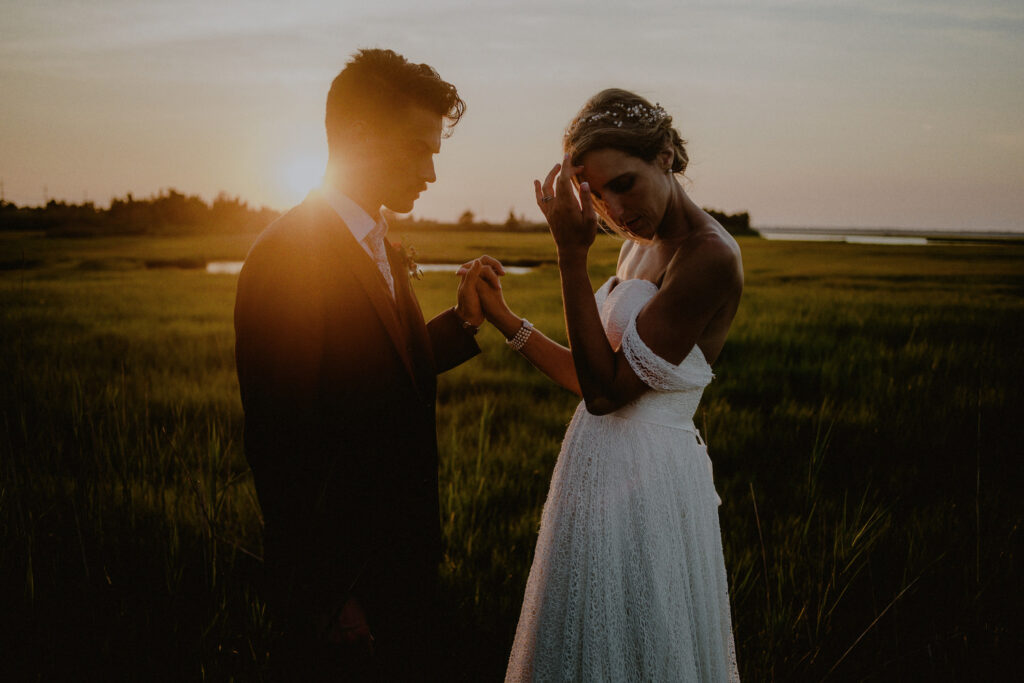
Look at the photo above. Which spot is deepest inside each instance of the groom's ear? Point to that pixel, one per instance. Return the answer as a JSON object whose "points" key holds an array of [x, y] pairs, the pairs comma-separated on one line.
{"points": [[353, 136]]}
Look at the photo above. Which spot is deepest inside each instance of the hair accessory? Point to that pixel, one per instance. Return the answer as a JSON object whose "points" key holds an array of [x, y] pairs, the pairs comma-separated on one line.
{"points": [[518, 341], [618, 113]]}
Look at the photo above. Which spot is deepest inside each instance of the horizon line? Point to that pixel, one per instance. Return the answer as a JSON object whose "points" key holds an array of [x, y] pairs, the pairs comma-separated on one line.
{"points": [[836, 229]]}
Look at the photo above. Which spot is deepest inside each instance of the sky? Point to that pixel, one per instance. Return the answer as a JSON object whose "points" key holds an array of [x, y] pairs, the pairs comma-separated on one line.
{"points": [[815, 113]]}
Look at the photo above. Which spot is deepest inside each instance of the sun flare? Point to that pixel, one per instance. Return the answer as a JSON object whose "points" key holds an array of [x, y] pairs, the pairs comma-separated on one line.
{"points": [[302, 173]]}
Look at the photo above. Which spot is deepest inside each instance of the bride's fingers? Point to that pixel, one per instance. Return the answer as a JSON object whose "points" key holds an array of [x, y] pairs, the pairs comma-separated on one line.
{"points": [[466, 268], [488, 275], [484, 260], [493, 263], [548, 188], [472, 273], [563, 177], [566, 176], [587, 203]]}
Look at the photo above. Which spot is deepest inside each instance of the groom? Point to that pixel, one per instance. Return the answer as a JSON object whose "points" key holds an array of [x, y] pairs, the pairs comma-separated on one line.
{"points": [[338, 379]]}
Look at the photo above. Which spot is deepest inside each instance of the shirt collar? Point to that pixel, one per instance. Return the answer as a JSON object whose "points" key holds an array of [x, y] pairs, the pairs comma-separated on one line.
{"points": [[359, 223]]}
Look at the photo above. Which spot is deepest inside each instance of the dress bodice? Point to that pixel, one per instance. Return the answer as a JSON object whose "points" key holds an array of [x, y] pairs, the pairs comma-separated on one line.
{"points": [[676, 389]]}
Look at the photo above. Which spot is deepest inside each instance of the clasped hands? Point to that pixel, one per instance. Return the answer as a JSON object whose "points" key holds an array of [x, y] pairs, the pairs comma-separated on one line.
{"points": [[480, 295]]}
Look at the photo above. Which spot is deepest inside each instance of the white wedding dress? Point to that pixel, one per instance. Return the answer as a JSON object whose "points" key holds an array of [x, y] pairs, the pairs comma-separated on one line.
{"points": [[628, 580]]}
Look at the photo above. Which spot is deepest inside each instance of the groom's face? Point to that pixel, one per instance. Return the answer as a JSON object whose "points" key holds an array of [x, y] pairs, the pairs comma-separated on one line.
{"points": [[401, 159]]}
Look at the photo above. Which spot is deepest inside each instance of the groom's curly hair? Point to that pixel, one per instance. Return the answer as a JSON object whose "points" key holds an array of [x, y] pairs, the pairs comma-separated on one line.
{"points": [[376, 83]]}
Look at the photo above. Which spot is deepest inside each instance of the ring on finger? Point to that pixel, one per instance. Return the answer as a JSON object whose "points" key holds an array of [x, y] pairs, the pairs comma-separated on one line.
{"points": [[547, 198]]}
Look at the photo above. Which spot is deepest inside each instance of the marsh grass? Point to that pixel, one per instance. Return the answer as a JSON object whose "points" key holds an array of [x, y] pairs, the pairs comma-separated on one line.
{"points": [[864, 425]]}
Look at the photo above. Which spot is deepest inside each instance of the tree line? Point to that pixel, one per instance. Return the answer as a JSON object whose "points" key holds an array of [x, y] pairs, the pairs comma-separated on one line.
{"points": [[735, 223], [168, 212], [172, 212]]}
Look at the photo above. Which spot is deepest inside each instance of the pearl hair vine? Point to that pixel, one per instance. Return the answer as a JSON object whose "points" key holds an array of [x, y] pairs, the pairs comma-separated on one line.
{"points": [[617, 114]]}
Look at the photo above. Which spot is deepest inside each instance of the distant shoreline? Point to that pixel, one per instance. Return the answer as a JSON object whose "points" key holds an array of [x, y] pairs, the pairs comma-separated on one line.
{"points": [[891, 235]]}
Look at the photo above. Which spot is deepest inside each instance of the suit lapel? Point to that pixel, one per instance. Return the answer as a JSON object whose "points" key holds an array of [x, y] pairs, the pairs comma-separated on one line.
{"points": [[412, 318], [369, 277]]}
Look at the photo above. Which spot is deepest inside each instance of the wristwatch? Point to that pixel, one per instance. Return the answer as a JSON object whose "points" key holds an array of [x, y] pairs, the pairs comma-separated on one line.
{"points": [[467, 326]]}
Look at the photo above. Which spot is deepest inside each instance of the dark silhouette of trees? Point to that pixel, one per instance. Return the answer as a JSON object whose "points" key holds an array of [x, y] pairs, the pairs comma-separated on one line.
{"points": [[169, 212], [172, 212], [735, 223], [51, 216]]}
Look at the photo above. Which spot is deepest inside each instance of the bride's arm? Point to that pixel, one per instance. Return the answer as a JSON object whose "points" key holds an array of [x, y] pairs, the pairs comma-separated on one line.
{"points": [[548, 356], [605, 379]]}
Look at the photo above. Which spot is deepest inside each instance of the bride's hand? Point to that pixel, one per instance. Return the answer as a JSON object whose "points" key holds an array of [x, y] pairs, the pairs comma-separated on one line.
{"points": [[573, 223]]}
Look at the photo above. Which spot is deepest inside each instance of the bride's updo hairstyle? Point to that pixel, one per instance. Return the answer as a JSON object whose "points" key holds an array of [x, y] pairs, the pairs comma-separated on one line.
{"points": [[622, 120]]}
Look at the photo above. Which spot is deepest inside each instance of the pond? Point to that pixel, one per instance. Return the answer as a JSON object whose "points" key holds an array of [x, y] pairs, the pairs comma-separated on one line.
{"points": [[235, 267]]}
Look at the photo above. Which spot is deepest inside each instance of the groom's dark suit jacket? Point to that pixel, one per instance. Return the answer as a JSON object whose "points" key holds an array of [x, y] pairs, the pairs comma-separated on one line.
{"points": [[338, 383]]}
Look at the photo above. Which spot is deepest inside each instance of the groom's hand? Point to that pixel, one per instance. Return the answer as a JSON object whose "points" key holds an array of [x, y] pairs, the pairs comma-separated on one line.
{"points": [[485, 271], [351, 630]]}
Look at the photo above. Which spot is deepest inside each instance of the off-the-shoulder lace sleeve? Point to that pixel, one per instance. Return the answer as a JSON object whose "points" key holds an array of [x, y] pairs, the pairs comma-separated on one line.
{"points": [[658, 373], [602, 292]]}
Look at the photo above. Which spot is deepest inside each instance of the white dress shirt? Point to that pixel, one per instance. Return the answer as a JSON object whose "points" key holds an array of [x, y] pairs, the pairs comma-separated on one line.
{"points": [[368, 232]]}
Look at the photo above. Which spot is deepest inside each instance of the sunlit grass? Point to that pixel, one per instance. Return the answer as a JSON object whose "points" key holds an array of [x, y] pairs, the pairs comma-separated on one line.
{"points": [[864, 425]]}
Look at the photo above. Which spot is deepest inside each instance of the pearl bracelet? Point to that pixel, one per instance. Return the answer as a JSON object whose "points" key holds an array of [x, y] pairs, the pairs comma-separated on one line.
{"points": [[518, 341]]}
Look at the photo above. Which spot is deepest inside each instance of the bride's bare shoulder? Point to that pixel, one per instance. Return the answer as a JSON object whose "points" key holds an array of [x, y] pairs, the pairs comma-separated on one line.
{"points": [[711, 257]]}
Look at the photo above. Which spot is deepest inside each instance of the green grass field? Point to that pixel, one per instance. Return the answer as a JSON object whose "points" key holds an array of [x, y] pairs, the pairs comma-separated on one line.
{"points": [[864, 425]]}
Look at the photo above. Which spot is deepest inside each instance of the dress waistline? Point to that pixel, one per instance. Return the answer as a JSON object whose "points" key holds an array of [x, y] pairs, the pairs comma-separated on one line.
{"points": [[663, 418]]}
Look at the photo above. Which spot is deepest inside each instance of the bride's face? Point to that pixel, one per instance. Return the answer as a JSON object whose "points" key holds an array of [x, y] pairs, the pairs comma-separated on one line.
{"points": [[634, 193]]}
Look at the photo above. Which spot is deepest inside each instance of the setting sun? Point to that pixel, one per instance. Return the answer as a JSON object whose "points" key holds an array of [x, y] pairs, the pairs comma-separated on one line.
{"points": [[302, 173]]}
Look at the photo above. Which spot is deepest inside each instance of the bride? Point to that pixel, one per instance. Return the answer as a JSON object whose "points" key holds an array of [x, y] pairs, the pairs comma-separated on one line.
{"points": [[628, 579]]}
